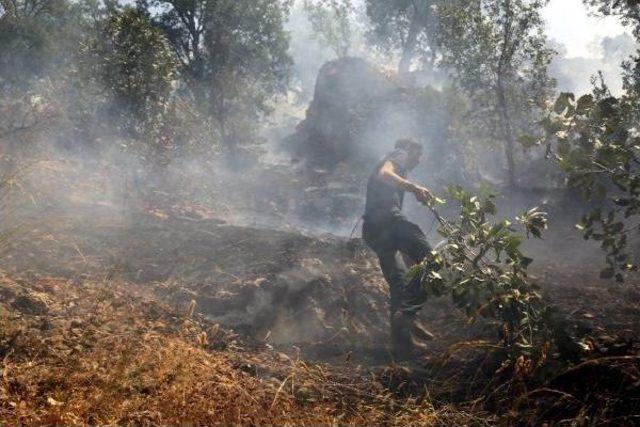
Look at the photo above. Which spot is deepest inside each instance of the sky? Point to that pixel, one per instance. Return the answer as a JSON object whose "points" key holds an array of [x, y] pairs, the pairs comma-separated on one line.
{"points": [[585, 45], [568, 23]]}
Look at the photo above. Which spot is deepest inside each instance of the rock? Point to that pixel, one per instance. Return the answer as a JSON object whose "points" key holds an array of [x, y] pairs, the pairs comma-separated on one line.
{"points": [[358, 112], [345, 91], [31, 303]]}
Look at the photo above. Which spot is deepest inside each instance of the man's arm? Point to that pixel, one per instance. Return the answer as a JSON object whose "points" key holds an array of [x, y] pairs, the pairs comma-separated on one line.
{"points": [[387, 173]]}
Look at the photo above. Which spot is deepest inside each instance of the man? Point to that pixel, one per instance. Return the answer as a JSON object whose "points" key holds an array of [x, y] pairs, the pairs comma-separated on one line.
{"points": [[390, 234]]}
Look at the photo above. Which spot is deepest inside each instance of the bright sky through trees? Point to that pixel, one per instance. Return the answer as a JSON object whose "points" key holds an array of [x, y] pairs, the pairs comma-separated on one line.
{"points": [[569, 23]]}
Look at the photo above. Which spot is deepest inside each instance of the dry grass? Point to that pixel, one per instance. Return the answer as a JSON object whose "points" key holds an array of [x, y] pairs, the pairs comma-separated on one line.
{"points": [[6, 182], [99, 353], [12, 196]]}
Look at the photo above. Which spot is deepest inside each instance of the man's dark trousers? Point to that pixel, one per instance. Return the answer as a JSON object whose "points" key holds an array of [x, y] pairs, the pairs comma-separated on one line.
{"points": [[387, 237]]}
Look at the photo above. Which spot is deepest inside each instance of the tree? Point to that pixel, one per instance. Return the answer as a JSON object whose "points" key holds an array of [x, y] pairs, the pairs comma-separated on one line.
{"points": [[331, 23], [594, 140], [627, 10], [482, 268], [36, 38], [233, 55], [247, 61], [496, 53], [182, 21], [133, 62], [407, 26]]}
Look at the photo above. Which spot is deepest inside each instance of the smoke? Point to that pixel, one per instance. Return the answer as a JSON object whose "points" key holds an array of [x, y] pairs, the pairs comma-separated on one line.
{"points": [[574, 74], [307, 53], [85, 183], [310, 54]]}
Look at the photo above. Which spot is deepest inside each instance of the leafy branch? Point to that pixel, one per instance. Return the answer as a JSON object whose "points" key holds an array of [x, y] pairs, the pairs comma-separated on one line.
{"points": [[594, 140], [482, 268]]}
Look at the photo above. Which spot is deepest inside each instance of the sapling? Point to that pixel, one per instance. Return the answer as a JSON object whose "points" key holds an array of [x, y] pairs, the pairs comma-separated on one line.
{"points": [[481, 266]]}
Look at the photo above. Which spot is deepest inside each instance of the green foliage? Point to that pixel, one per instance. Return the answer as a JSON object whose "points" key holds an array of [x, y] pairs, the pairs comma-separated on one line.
{"points": [[331, 23], [247, 56], [19, 113], [627, 10], [484, 271], [37, 37], [134, 64], [234, 57], [593, 140], [408, 27], [441, 120], [497, 55]]}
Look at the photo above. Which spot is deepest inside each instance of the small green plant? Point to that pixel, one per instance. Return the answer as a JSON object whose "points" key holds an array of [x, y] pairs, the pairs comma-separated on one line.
{"points": [[481, 267]]}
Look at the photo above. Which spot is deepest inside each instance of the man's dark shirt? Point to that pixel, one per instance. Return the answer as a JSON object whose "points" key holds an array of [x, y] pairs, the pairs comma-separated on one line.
{"points": [[384, 200]]}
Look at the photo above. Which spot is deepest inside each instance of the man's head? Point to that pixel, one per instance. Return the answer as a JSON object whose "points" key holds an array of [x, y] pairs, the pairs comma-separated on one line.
{"points": [[413, 149]]}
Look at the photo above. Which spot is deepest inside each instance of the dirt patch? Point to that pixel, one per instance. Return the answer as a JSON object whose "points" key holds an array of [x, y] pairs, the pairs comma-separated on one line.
{"points": [[293, 288], [323, 294]]}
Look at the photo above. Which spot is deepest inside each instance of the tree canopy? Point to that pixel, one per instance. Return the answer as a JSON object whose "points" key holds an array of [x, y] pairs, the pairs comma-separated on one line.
{"points": [[233, 56], [406, 26], [136, 67], [497, 54]]}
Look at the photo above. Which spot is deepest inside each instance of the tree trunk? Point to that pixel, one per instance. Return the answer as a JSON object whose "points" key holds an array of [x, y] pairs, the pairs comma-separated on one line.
{"points": [[507, 130], [503, 70], [409, 47]]}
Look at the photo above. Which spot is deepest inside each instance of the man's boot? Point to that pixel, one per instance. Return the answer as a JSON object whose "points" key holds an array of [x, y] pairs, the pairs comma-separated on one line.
{"points": [[404, 343]]}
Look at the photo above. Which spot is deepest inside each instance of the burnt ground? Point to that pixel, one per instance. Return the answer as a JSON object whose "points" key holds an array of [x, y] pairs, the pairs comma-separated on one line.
{"points": [[323, 300], [258, 279]]}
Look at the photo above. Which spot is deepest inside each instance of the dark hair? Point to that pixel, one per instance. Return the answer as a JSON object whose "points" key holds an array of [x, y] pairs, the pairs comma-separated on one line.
{"points": [[408, 144]]}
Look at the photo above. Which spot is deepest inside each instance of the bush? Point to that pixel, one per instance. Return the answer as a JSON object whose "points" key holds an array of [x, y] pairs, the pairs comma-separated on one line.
{"points": [[482, 268]]}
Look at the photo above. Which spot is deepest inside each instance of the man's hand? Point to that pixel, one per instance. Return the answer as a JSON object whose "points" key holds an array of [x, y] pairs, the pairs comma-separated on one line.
{"points": [[423, 195]]}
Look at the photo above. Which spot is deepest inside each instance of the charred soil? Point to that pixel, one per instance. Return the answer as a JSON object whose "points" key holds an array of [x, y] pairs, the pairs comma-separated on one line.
{"points": [[107, 322]]}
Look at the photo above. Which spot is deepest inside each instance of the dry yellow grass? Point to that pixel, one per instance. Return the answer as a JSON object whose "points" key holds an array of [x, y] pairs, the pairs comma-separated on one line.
{"points": [[101, 353]]}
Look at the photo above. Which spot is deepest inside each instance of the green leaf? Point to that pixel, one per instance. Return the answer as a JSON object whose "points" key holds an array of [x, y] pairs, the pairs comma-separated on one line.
{"points": [[439, 201], [584, 104], [617, 227], [490, 207], [563, 102], [528, 141]]}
